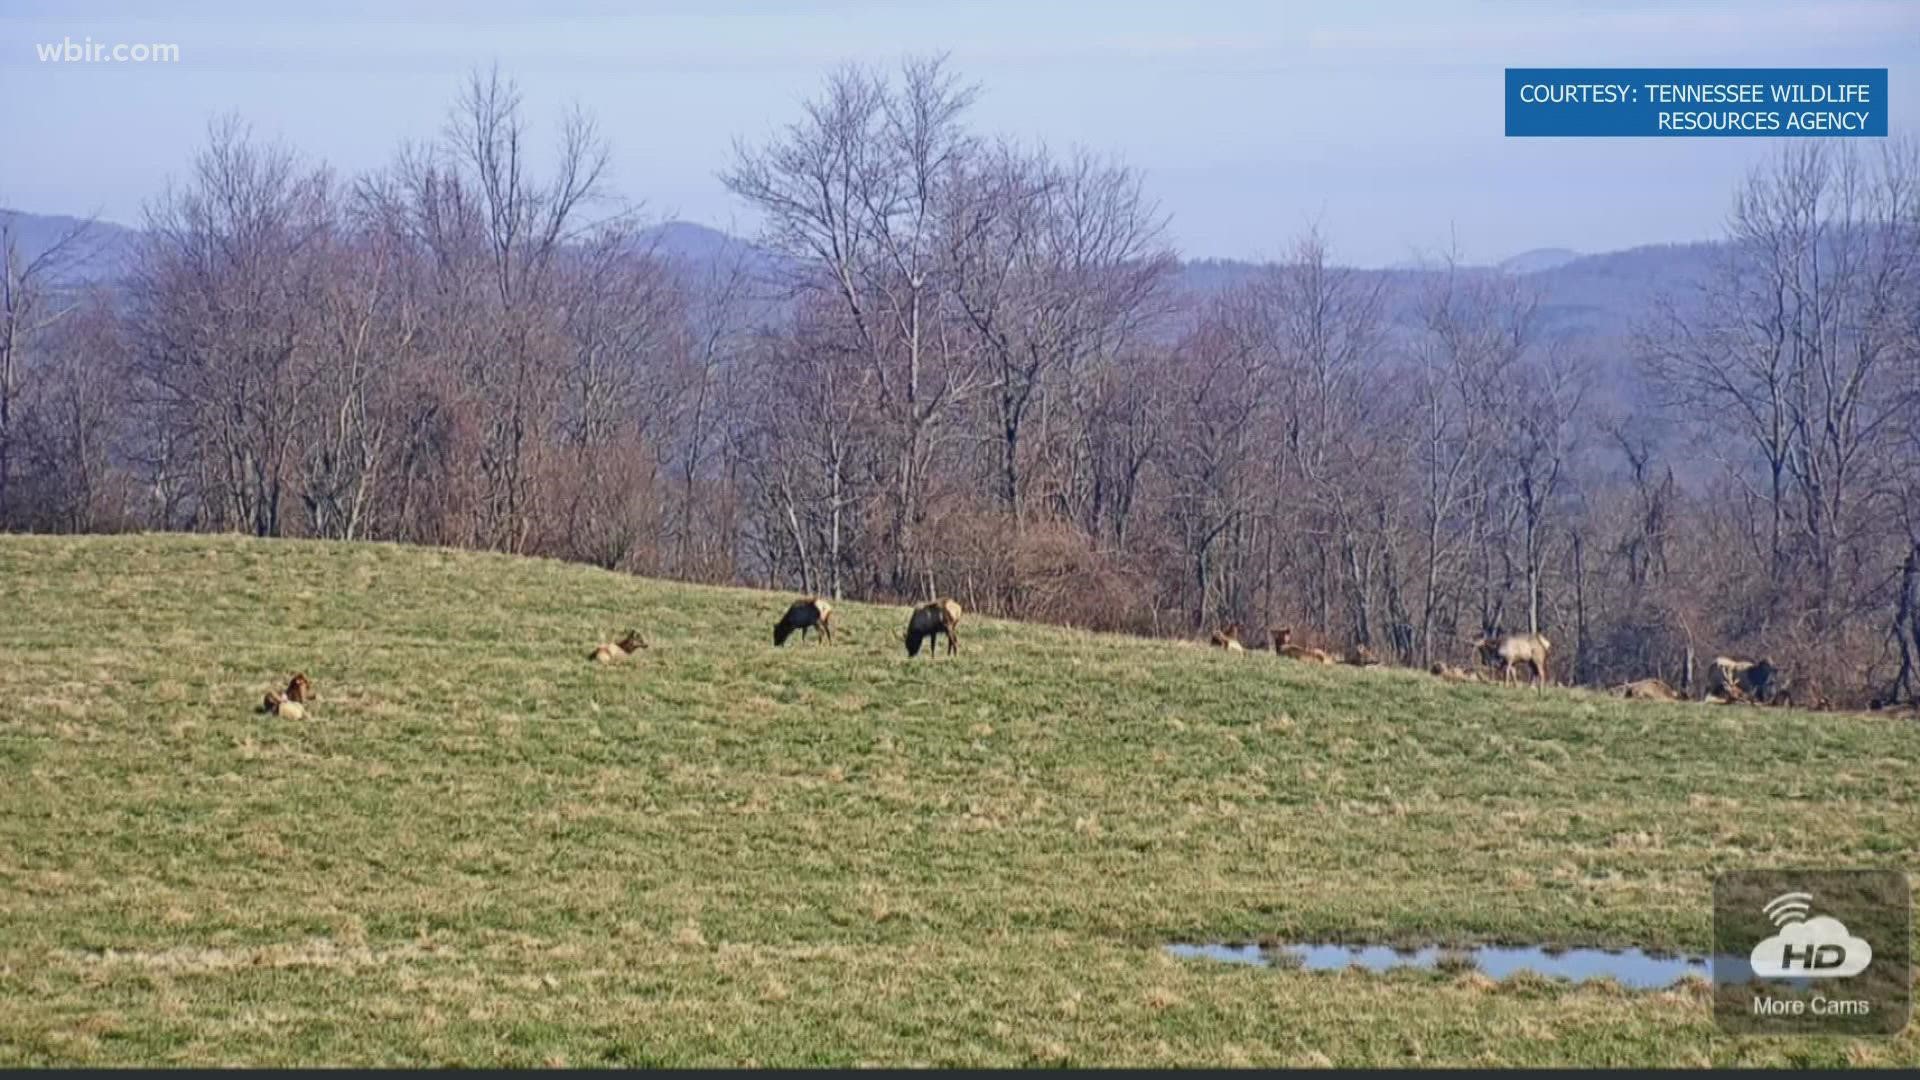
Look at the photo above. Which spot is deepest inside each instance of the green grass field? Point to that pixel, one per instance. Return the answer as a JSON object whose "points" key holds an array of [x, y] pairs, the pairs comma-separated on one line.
{"points": [[482, 849]]}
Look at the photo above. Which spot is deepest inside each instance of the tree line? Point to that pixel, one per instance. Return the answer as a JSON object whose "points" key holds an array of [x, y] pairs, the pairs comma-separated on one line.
{"points": [[956, 364]]}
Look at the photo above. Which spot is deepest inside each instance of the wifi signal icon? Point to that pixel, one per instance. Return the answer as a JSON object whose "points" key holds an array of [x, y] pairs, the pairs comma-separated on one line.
{"points": [[1787, 908]]}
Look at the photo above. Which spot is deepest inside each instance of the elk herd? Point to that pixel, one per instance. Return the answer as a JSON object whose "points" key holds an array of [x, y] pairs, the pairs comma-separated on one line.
{"points": [[1503, 656], [814, 615], [1728, 680]]}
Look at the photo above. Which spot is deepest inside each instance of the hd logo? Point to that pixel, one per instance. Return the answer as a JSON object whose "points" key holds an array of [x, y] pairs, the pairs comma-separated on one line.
{"points": [[1816, 948], [1819, 952]]}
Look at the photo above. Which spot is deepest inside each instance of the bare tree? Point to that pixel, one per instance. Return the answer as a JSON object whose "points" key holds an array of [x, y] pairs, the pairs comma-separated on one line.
{"points": [[855, 195], [35, 294], [1543, 431], [1053, 264], [220, 307], [1459, 365], [1324, 324]]}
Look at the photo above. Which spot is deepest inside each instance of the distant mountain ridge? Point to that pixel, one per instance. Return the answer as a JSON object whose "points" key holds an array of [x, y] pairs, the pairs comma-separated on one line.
{"points": [[109, 245], [101, 253], [1592, 300], [1529, 262], [693, 242]]}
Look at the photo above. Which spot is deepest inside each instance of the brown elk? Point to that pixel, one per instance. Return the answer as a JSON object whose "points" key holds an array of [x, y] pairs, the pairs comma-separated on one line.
{"points": [[1451, 673], [1228, 638], [931, 620], [1360, 656], [618, 650], [1648, 690], [284, 707], [804, 614], [299, 688], [1283, 645], [1504, 654]]}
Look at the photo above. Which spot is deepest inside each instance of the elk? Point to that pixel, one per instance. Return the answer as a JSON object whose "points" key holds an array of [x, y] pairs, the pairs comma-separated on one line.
{"points": [[804, 614], [1452, 674], [1648, 690], [618, 650], [1730, 680], [1360, 656], [1282, 637], [284, 707], [931, 620], [290, 703], [1505, 653], [1228, 638], [952, 607]]}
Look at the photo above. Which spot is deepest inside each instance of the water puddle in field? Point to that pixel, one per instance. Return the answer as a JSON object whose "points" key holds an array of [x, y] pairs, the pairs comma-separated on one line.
{"points": [[1632, 968]]}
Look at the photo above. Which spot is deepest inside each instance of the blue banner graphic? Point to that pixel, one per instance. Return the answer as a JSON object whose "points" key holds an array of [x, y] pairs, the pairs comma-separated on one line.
{"points": [[1766, 102]]}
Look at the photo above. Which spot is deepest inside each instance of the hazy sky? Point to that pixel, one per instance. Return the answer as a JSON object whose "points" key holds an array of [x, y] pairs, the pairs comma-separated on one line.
{"points": [[1380, 121]]}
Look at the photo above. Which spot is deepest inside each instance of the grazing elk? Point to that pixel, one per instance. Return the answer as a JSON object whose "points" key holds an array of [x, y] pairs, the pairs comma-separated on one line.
{"points": [[931, 620], [1506, 653], [804, 614], [1228, 638], [1283, 646], [1730, 680], [618, 650]]}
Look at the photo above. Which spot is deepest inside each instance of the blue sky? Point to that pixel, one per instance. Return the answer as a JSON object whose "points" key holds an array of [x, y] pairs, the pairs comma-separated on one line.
{"points": [[1379, 121]]}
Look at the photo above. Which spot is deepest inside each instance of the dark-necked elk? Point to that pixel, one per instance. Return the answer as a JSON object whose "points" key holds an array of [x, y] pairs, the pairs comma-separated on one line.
{"points": [[804, 614], [1730, 680], [291, 703], [1228, 638], [931, 620], [1283, 646], [618, 650], [1504, 654], [280, 705]]}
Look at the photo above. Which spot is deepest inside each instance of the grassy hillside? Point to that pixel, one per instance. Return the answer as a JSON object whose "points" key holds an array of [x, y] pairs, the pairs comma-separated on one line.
{"points": [[482, 849]]}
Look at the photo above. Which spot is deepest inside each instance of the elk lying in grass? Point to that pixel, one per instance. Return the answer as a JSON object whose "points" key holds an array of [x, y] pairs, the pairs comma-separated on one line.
{"points": [[806, 613], [1360, 656], [1451, 673], [1283, 646], [1228, 638], [1732, 680], [618, 650], [931, 620], [1648, 690], [290, 703], [284, 707], [1504, 654]]}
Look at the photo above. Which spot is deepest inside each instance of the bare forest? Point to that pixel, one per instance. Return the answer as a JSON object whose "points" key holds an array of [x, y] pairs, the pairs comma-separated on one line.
{"points": [[955, 364]]}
